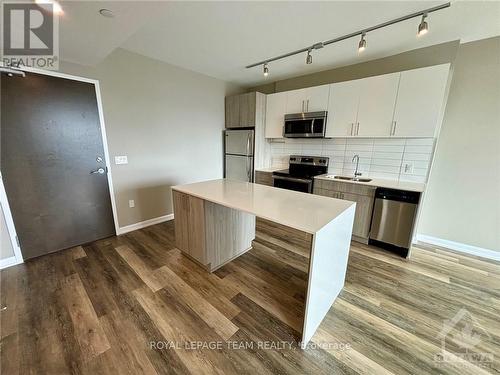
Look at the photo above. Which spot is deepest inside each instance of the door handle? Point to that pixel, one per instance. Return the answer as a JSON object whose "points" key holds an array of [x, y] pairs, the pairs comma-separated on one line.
{"points": [[98, 171]]}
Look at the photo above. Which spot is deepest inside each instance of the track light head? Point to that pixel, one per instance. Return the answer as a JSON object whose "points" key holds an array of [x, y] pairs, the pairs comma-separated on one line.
{"points": [[266, 70], [423, 28], [362, 43], [309, 59]]}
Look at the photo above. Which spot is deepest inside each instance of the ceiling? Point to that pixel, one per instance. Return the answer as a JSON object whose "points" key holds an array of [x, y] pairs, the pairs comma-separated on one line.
{"points": [[220, 38]]}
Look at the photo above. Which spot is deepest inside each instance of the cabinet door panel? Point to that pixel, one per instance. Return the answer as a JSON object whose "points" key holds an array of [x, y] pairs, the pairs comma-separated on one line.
{"points": [[264, 178], [247, 109], [420, 100], [342, 108], [197, 229], [295, 101], [362, 218], [232, 111], [376, 105], [317, 98], [275, 114], [181, 211]]}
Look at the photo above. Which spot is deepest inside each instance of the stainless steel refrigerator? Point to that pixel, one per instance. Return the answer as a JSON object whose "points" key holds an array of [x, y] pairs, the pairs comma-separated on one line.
{"points": [[238, 155]]}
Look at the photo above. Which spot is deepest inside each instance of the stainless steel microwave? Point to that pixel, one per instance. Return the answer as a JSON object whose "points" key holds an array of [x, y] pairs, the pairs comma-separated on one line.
{"points": [[305, 125]]}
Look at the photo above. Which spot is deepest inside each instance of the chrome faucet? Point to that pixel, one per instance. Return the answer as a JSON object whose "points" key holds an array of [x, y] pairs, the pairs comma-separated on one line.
{"points": [[356, 173]]}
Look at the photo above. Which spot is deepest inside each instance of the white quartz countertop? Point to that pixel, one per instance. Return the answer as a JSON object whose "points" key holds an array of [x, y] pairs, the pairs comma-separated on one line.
{"points": [[302, 211], [271, 169], [378, 182]]}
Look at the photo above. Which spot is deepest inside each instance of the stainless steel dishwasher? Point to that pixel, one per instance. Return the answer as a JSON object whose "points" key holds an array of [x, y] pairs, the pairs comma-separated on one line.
{"points": [[393, 219]]}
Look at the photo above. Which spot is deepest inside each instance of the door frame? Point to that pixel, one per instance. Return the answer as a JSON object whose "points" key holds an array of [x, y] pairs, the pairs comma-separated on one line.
{"points": [[107, 159], [11, 229]]}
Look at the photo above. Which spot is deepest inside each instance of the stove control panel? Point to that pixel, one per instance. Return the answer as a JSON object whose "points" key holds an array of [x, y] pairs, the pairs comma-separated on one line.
{"points": [[309, 160]]}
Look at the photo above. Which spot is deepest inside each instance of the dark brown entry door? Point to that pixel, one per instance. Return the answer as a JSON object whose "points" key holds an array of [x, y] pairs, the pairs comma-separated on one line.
{"points": [[50, 142]]}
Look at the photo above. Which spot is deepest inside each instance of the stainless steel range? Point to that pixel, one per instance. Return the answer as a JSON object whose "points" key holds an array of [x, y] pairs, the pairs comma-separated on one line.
{"points": [[300, 173]]}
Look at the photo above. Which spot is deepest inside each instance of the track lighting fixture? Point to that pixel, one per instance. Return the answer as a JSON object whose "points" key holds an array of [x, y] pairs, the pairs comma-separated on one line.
{"points": [[309, 59], [423, 28], [362, 43]]}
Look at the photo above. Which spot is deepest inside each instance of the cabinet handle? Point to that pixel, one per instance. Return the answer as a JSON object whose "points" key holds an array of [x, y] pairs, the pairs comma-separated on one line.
{"points": [[394, 128], [303, 105], [307, 108], [357, 128]]}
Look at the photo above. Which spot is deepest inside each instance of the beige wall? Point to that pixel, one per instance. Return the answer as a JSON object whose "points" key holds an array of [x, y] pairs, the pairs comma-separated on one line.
{"points": [[167, 120], [434, 55], [462, 202]]}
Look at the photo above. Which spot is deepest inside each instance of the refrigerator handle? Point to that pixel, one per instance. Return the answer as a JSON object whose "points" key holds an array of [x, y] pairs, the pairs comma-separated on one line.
{"points": [[247, 159], [248, 143]]}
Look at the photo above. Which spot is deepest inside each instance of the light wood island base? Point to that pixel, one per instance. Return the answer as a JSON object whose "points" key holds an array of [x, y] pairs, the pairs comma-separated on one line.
{"points": [[213, 234]]}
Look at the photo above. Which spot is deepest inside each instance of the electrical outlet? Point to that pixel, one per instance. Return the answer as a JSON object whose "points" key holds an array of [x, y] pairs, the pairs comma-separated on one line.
{"points": [[131, 203], [121, 159], [408, 168]]}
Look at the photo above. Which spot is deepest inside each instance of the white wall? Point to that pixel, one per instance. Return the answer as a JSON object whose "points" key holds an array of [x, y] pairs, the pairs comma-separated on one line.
{"points": [[462, 202], [167, 120], [378, 157]]}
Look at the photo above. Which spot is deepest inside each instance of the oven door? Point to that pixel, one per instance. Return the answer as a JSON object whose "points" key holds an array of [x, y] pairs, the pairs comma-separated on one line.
{"points": [[293, 183], [304, 128]]}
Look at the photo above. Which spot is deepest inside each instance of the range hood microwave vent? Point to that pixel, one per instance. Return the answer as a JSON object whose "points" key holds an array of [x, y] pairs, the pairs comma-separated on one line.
{"points": [[305, 125]]}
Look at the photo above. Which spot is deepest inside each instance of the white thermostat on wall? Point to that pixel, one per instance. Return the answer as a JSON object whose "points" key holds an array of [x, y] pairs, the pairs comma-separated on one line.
{"points": [[121, 160]]}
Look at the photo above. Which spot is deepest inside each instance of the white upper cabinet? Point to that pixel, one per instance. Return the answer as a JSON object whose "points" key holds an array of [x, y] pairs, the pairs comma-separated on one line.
{"points": [[317, 98], [275, 114], [376, 105], [310, 99], [402, 104], [296, 101], [420, 100], [343, 108]]}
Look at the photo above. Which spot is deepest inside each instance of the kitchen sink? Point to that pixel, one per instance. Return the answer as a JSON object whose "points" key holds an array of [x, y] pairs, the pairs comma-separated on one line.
{"points": [[355, 179]]}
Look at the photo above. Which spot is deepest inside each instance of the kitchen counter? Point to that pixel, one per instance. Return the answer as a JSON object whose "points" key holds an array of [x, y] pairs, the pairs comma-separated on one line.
{"points": [[301, 211], [271, 169], [378, 182], [215, 222]]}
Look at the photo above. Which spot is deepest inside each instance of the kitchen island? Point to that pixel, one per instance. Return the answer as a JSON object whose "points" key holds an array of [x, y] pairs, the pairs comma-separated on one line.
{"points": [[215, 223]]}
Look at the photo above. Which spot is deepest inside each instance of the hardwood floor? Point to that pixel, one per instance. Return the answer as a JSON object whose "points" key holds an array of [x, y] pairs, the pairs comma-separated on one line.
{"points": [[120, 305]]}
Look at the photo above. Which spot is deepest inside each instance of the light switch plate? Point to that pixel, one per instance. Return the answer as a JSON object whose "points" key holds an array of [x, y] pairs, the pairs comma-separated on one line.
{"points": [[121, 160], [131, 203]]}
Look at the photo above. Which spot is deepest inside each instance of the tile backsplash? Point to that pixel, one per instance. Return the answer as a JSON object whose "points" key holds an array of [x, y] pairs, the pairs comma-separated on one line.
{"points": [[389, 158]]}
